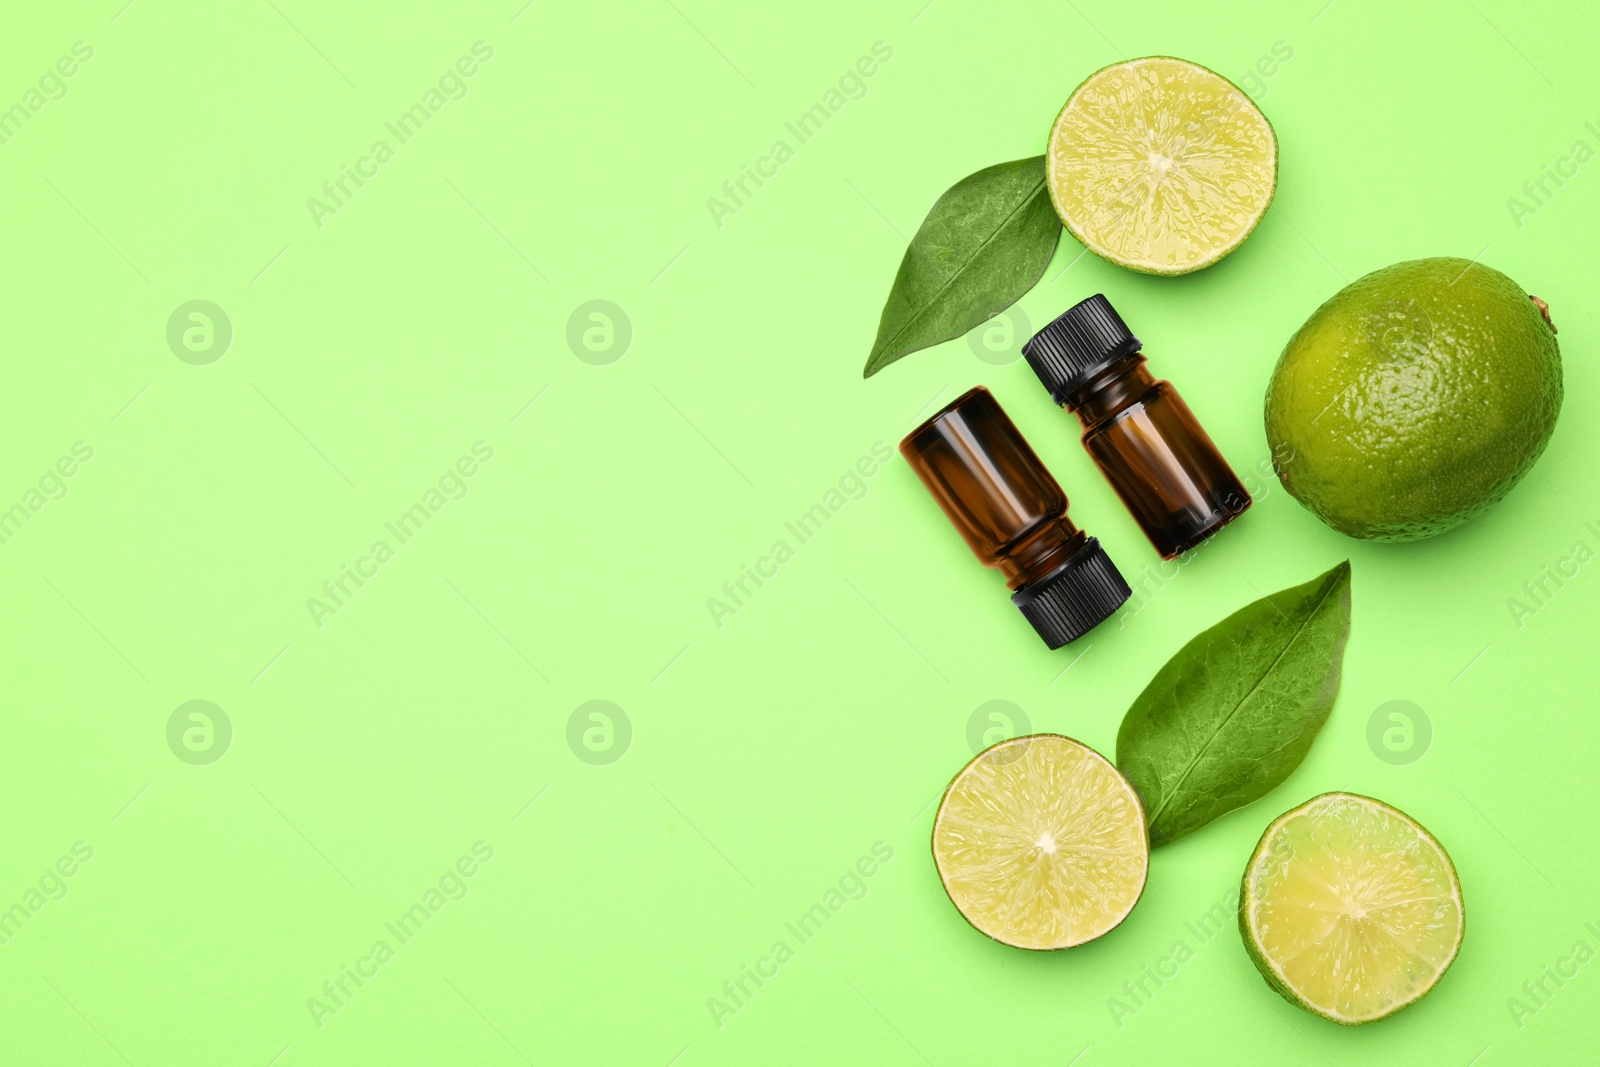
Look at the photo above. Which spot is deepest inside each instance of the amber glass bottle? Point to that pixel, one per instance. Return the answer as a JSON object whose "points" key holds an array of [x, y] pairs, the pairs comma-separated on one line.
{"points": [[1138, 429], [1013, 516]]}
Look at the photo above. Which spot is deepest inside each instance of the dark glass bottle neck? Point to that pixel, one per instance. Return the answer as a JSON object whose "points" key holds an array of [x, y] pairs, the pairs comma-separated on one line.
{"points": [[1110, 390], [1040, 553]]}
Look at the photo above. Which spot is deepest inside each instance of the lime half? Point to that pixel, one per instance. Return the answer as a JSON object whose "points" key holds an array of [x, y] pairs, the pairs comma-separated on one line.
{"points": [[1350, 909], [1161, 165], [1041, 843]]}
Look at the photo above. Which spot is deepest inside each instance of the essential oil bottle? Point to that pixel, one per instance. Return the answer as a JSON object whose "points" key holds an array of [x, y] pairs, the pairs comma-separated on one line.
{"points": [[1013, 516], [1142, 435]]}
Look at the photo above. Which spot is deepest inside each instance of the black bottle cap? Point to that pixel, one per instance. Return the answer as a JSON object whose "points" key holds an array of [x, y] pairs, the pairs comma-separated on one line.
{"points": [[1074, 598], [1081, 340]]}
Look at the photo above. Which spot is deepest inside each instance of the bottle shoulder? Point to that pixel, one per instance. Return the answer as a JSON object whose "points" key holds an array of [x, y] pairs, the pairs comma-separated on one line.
{"points": [[1100, 417]]}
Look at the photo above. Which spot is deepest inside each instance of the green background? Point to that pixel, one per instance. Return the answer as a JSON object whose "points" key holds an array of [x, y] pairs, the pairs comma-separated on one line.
{"points": [[372, 747]]}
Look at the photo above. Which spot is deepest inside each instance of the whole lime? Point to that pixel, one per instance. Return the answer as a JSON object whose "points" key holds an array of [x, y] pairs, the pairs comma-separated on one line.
{"points": [[1414, 398]]}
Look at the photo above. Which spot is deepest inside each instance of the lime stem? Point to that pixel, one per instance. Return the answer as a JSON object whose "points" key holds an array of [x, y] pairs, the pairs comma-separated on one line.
{"points": [[1544, 309]]}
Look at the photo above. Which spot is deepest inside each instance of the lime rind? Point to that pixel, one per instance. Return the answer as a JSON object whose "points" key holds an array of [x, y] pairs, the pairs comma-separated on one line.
{"points": [[1414, 399], [1228, 184], [1274, 973]]}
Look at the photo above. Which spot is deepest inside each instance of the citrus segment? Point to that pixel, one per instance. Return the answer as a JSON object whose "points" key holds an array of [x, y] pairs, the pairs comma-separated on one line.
{"points": [[1161, 165], [1350, 909], [1041, 843]]}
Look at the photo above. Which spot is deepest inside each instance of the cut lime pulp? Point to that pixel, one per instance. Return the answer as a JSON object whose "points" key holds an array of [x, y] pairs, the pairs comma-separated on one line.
{"points": [[1161, 165], [1041, 843], [1350, 909]]}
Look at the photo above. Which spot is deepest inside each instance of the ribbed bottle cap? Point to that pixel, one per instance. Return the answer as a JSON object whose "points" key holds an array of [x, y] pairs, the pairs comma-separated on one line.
{"points": [[1075, 598], [1078, 342]]}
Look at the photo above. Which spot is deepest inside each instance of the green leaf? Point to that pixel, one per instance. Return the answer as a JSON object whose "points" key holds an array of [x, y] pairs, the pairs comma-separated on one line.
{"points": [[985, 243], [1235, 711]]}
